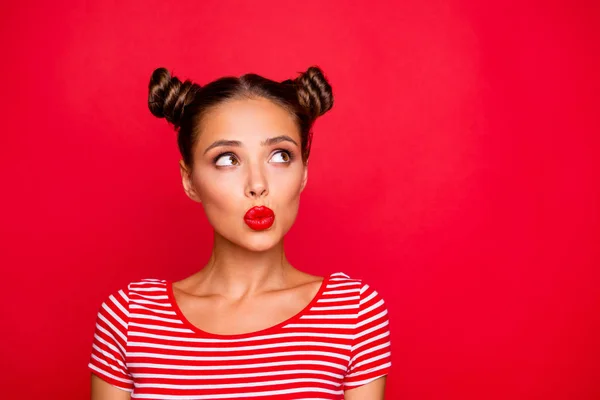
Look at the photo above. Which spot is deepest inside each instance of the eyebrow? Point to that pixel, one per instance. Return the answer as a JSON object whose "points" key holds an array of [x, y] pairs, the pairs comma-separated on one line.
{"points": [[236, 143]]}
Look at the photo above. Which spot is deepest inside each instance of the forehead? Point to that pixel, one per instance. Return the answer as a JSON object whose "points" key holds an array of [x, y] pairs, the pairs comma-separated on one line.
{"points": [[247, 119]]}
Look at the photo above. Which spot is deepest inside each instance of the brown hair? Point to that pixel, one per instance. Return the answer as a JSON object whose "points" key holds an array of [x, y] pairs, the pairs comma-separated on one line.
{"points": [[184, 103]]}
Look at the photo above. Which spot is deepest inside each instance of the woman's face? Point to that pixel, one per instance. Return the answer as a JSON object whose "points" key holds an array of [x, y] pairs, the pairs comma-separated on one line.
{"points": [[248, 154]]}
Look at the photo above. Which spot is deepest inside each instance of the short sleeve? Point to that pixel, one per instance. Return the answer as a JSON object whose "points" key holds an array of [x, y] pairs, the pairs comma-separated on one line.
{"points": [[107, 359], [370, 356]]}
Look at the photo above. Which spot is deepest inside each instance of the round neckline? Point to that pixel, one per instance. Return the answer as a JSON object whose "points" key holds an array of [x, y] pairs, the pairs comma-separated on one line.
{"points": [[270, 329]]}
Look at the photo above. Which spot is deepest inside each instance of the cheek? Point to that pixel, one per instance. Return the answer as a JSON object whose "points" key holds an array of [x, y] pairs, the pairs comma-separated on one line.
{"points": [[218, 191], [286, 186], [222, 203], [285, 192]]}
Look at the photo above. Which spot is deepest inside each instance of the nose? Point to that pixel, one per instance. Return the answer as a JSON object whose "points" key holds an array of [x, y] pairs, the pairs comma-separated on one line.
{"points": [[256, 185]]}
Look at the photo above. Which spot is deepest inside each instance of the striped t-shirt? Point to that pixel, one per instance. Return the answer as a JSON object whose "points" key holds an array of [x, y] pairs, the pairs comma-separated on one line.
{"points": [[143, 344]]}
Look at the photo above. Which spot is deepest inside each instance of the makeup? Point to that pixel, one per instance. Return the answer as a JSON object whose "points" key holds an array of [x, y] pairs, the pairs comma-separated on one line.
{"points": [[259, 218]]}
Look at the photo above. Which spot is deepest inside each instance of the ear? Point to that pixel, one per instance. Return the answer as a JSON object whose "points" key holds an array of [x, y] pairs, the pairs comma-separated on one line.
{"points": [[186, 180], [304, 177]]}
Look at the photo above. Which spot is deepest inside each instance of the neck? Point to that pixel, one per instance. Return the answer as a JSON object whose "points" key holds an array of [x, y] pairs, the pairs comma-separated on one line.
{"points": [[236, 272]]}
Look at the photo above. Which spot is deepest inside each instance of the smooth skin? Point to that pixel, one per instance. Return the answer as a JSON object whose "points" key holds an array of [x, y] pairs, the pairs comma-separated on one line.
{"points": [[248, 154]]}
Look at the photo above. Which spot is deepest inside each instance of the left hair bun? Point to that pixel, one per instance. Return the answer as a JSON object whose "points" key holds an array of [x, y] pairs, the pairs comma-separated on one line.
{"points": [[168, 96]]}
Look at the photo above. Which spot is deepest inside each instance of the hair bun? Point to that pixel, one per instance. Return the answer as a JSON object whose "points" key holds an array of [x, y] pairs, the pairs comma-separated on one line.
{"points": [[167, 96], [314, 92]]}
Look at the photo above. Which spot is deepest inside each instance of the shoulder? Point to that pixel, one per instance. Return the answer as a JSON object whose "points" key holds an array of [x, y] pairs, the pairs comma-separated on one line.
{"points": [[147, 285], [366, 287], [366, 294], [120, 298], [342, 278]]}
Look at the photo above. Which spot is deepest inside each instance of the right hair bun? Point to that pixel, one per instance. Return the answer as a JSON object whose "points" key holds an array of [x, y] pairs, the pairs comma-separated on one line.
{"points": [[314, 92], [168, 96]]}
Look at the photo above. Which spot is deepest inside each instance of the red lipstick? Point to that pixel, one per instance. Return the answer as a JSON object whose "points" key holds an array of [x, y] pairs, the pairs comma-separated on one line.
{"points": [[259, 218]]}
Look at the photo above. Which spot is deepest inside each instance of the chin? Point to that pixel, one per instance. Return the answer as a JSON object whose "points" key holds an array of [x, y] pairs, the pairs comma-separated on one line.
{"points": [[259, 241], [251, 240]]}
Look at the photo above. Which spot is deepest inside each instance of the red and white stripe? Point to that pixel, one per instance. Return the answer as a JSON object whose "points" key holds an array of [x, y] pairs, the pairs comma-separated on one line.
{"points": [[144, 344]]}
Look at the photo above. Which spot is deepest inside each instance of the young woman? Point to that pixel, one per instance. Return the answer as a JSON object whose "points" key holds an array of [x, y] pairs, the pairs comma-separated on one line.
{"points": [[248, 325]]}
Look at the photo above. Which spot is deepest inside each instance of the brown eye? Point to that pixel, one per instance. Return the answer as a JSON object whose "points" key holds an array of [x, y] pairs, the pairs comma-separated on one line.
{"points": [[227, 160], [281, 157]]}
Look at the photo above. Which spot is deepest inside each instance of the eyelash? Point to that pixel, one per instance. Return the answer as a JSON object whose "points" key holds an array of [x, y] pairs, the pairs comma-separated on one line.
{"points": [[290, 154]]}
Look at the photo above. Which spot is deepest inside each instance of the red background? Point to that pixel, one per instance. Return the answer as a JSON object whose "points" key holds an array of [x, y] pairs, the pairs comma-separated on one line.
{"points": [[456, 173]]}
